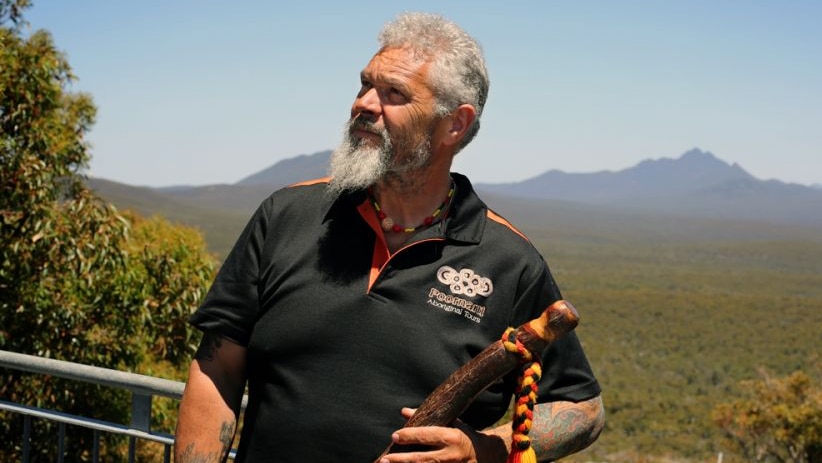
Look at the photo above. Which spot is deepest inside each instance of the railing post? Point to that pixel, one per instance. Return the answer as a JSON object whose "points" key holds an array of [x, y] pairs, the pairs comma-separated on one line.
{"points": [[26, 439], [141, 412], [132, 449], [61, 442], [95, 447]]}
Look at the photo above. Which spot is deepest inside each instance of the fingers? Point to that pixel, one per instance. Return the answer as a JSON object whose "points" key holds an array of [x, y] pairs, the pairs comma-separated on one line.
{"points": [[407, 412], [434, 436], [446, 445]]}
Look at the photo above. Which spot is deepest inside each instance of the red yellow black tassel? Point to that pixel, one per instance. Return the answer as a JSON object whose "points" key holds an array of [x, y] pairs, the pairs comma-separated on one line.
{"points": [[526, 397]]}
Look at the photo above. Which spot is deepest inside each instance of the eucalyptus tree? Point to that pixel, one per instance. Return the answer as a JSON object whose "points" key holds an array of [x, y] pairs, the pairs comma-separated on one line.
{"points": [[79, 280]]}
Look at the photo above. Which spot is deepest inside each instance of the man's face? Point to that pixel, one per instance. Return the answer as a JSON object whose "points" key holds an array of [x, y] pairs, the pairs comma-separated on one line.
{"points": [[391, 129]]}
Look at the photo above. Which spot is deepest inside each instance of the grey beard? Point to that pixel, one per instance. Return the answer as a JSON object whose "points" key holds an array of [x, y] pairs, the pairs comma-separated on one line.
{"points": [[356, 165]]}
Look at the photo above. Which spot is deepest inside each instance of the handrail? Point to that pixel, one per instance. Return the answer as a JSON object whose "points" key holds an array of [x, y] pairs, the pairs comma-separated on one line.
{"points": [[134, 382], [142, 387]]}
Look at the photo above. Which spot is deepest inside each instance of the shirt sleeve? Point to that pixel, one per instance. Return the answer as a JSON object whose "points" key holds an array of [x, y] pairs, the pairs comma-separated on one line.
{"points": [[231, 305], [566, 372]]}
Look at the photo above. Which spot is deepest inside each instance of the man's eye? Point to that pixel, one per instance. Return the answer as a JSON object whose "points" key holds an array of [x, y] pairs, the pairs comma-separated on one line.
{"points": [[396, 94]]}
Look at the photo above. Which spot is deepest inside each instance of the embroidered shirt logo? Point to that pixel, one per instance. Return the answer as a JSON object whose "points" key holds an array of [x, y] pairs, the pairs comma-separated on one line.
{"points": [[465, 282]]}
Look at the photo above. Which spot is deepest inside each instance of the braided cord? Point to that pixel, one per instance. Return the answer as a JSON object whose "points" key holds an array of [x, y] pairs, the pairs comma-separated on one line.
{"points": [[526, 398]]}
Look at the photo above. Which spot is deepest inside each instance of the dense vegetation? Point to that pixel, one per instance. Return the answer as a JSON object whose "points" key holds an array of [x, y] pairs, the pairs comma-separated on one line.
{"points": [[673, 324], [78, 280]]}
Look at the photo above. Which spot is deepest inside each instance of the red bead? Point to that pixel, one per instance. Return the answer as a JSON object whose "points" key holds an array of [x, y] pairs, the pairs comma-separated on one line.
{"points": [[396, 228], [381, 215], [428, 221]]}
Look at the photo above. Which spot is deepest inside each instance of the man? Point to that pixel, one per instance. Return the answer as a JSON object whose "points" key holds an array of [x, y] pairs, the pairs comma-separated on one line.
{"points": [[347, 300]]}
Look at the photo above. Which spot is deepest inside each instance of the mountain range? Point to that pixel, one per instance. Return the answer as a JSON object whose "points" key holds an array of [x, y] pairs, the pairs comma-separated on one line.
{"points": [[696, 185]]}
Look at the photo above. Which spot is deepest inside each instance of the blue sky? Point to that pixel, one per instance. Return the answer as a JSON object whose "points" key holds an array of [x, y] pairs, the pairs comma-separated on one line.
{"points": [[201, 92]]}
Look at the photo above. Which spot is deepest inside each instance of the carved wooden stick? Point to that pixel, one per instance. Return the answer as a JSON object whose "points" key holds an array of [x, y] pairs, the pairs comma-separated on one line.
{"points": [[450, 399]]}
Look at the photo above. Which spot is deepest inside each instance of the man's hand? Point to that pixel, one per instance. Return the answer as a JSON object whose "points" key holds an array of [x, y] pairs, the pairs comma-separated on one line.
{"points": [[447, 445]]}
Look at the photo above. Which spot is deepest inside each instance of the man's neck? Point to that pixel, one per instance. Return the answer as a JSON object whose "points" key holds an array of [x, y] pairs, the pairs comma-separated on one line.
{"points": [[412, 199]]}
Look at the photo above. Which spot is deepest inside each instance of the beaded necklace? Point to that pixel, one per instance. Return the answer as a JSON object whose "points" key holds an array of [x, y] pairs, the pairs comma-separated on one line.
{"points": [[388, 224]]}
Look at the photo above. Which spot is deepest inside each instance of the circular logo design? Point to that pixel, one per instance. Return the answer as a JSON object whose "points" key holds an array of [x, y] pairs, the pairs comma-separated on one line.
{"points": [[465, 281]]}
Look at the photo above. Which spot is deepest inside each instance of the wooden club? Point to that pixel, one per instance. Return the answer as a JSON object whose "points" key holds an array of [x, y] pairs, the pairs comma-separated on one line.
{"points": [[450, 399]]}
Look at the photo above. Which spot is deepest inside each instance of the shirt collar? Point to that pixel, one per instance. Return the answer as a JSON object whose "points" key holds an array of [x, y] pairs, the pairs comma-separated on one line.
{"points": [[464, 222], [466, 217]]}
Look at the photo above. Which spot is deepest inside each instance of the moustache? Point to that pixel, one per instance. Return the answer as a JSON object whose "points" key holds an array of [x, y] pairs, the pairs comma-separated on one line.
{"points": [[366, 126]]}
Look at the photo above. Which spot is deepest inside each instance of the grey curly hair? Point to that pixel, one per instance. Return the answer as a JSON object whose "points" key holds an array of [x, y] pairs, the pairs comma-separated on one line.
{"points": [[457, 74]]}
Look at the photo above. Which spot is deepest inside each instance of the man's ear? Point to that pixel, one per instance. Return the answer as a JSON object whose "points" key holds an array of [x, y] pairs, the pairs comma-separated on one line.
{"points": [[461, 120]]}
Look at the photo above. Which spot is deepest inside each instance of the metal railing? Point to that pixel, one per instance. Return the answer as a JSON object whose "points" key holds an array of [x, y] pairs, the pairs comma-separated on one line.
{"points": [[143, 388]]}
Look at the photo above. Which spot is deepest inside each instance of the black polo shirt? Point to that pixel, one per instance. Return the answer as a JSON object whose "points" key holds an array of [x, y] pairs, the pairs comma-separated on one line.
{"points": [[340, 336]]}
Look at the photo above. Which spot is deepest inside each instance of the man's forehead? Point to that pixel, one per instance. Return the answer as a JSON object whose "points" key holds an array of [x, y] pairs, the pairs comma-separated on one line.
{"points": [[395, 61]]}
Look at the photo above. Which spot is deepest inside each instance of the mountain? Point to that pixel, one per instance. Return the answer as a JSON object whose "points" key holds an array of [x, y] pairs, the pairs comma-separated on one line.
{"points": [[219, 211], [696, 184], [219, 225], [288, 171], [693, 171]]}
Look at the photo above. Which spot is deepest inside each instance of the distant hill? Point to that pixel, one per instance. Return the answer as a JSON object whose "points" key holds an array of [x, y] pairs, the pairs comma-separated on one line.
{"points": [[219, 225], [665, 177], [219, 211], [288, 171], [696, 185]]}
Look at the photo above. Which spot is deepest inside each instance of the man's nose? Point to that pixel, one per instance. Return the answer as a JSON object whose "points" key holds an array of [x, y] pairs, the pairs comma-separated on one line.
{"points": [[367, 104]]}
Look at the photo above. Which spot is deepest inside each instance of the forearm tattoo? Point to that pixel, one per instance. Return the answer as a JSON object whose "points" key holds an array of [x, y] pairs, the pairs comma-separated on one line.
{"points": [[208, 347], [561, 432], [226, 437], [191, 455]]}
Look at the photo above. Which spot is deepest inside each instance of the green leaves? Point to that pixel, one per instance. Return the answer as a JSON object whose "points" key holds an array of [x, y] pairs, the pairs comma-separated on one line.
{"points": [[78, 280]]}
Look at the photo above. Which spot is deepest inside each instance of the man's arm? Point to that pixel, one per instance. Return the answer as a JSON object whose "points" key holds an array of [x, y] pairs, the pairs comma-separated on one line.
{"points": [[561, 428], [211, 402]]}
